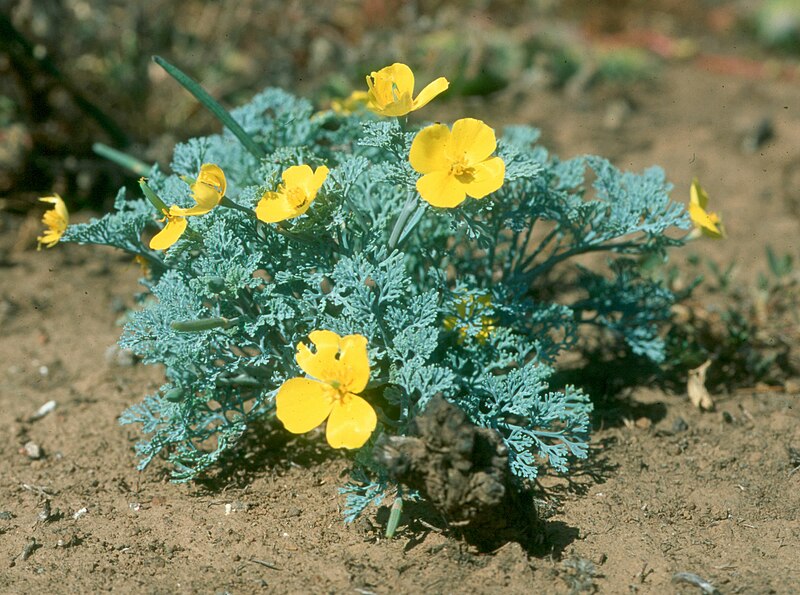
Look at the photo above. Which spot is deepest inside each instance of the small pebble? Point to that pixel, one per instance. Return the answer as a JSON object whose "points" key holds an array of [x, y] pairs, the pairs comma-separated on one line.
{"points": [[236, 506], [727, 417], [78, 514], [44, 409], [6, 515], [32, 450], [679, 425]]}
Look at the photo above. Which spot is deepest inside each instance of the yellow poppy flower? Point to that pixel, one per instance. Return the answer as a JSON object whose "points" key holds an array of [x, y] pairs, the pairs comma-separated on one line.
{"points": [[710, 224], [176, 225], [338, 369], [207, 191], [466, 310], [456, 164], [391, 89], [294, 196], [56, 220], [356, 101]]}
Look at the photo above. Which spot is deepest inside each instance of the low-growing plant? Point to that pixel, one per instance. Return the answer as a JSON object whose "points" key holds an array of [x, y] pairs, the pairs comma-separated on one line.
{"points": [[346, 265]]}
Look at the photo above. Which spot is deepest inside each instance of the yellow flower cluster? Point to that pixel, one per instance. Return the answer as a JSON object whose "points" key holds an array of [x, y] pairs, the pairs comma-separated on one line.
{"points": [[467, 309]]}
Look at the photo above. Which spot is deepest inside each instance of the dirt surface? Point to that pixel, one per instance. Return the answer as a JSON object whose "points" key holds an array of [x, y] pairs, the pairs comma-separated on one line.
{"points": [[668, 489]]}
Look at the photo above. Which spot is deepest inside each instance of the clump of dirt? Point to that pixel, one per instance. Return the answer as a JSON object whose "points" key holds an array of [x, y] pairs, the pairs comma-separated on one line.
{"points": [[463, 471]]}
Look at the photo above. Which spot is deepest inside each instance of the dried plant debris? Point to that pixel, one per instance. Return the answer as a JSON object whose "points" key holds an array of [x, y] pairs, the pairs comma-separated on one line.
{"points": [[462, 469]]}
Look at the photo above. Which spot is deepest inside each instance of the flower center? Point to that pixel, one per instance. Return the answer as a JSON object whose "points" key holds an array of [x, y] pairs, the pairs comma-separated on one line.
{"points": [[462, 170], [297, 197]]}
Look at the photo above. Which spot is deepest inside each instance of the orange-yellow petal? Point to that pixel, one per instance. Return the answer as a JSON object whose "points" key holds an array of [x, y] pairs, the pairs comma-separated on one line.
{"points": [[707, 222], [212, 175], [441, 189], [59, 207], [56, 220], [321, 364], [341, 362], [697, 195], [297, 176], [303, 404], [433, 89], [274, 207], [208, 189], [169, 235], [352, 421], [471, 140], [390, 90], [354, 363], [399, 76], [303, 177], [487, 177], [428, 150]]}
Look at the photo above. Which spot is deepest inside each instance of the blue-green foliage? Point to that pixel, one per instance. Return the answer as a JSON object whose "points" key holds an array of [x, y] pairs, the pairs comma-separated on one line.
{"points": [[473, 303]]}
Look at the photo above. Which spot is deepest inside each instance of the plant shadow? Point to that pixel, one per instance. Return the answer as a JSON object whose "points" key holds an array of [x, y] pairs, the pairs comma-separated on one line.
{"points": [[265, 446]]}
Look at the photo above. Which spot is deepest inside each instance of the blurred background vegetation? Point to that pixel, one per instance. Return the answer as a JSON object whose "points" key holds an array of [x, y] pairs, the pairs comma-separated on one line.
{"points": [[73, 72]]}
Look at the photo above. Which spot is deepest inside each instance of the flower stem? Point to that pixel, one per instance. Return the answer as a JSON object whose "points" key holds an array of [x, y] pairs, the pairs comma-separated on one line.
{"points": [[202, 324], [137, 166], [155, 200]]}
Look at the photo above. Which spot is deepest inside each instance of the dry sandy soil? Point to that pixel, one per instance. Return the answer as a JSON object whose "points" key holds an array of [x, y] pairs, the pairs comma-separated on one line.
{"points": [[673, 491]]}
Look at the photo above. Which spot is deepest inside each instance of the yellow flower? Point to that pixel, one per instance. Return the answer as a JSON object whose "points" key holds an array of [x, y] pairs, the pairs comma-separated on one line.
{"points": [[294, 196], [176, 225], [339, 369], [356, 101], [207, 191], [391, 88], [456, 164], [710, 224], [466, 310], [56, 220]]}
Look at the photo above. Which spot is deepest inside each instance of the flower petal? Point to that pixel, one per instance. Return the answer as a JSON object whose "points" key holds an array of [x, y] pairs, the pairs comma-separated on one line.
{"points": [[351, 422], [399, 76], [441, 189], [487, 177], [169, 235], [323, 364], [697, 195], [212, 175], [707, 222], [428, 149], [59, 206], [390, 90], [303, 404], [316, 181], [472, 140], [433, 89], [354, 363], [297, 176], [274, 207]]}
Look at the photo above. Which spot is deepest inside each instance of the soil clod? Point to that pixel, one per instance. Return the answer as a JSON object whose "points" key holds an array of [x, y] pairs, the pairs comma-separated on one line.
{"points": [[462, 470]]}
